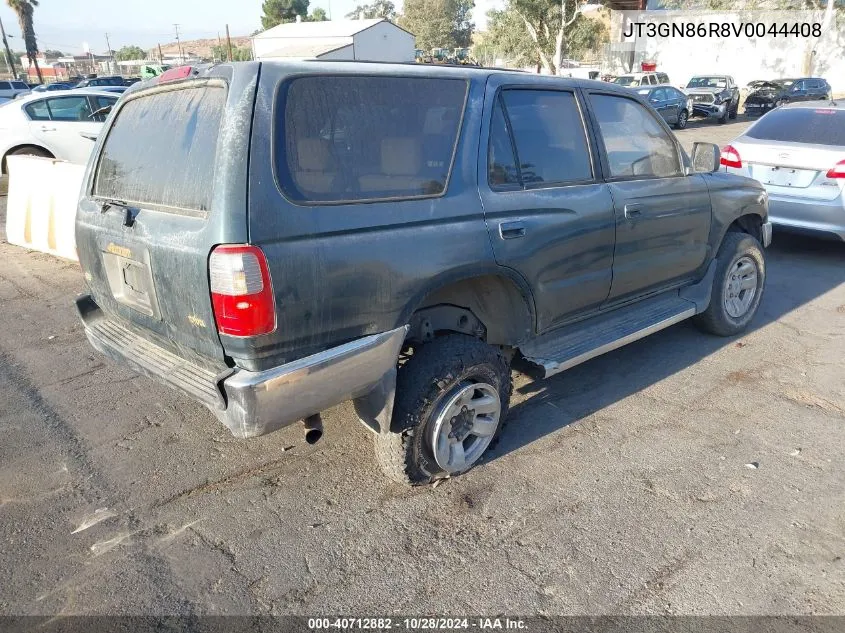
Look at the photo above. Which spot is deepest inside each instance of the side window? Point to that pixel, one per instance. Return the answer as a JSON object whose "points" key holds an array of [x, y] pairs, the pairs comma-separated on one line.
{"points": [[19, 85], [799, 85], [69, 109], [501, 164], [658, 95], [548, 131], [663, 78], [38, 111], [5, 85], [635, 143]]}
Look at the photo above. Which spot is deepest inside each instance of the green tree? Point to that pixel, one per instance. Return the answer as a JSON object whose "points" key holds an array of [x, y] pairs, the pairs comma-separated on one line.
{"points": [[439, 23], [281, 11], [506, 38], [24, 10], [52, 53], [551, 25], [318, 15], [239, 54], [129, 53], [378, 9]]}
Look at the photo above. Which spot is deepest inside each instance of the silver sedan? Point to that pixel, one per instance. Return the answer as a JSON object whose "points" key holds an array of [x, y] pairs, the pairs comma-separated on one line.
{"points": [[798, 153]]}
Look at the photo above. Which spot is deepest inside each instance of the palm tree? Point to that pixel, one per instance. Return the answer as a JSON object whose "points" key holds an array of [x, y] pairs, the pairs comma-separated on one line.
{"points": [[24, 10]]}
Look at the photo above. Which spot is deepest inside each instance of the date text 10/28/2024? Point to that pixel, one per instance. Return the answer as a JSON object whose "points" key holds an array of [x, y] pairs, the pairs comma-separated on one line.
{"points": [[418, 624]]}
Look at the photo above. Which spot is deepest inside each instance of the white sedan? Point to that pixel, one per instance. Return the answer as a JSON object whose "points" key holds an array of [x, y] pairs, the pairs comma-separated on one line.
{"points": [[61, 125]]}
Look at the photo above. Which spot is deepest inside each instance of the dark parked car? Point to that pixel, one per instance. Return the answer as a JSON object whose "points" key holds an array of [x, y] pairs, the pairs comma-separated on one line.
{"points": [[100, 81], [53, 87], [672, 104], [714, 96], [397, 237], [773, 94]]}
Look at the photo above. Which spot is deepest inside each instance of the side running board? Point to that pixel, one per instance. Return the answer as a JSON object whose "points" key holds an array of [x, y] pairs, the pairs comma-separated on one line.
{"points": [[566, 347]]}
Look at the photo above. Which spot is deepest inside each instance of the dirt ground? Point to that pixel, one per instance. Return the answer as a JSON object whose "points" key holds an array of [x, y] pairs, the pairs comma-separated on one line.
{"points": [[682, 474]]}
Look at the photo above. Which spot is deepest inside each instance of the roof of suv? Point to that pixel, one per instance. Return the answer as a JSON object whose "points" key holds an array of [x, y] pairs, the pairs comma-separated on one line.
{"points": [[438, 70]]}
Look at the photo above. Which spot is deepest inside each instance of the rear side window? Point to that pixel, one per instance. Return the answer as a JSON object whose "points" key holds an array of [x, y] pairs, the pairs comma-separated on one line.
{"points": [[5, 85], [548, 132], [663, 78], [161, 149], [635, 143], [19, 85], [37, 111], [819, 126], [357, 138]]}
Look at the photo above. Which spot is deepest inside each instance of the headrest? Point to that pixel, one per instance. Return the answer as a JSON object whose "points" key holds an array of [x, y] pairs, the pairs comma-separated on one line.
{"points": [[400, 156], [313, 154]]}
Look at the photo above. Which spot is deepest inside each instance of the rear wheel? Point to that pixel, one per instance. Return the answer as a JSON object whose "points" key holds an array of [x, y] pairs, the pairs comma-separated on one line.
{"points": [[737, 286], [683, 118], [451, 399]]}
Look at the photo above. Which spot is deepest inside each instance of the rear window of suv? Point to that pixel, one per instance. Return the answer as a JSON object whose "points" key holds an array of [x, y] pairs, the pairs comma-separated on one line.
{"points": [[161, 149], [819, 126], [363, 138]]}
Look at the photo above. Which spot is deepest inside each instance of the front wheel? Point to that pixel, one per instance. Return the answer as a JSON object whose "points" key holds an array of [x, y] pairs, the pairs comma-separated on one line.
{"points": [[451, 399], [737, 286], [734, 111], [683, 118]]}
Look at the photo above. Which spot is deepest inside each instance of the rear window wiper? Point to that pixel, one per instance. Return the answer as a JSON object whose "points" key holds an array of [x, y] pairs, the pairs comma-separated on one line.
{"points": [[108, 203]]}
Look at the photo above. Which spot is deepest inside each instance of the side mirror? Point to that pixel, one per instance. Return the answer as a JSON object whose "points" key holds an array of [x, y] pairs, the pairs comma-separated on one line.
{"points": [[102, 111], [705, 158]]}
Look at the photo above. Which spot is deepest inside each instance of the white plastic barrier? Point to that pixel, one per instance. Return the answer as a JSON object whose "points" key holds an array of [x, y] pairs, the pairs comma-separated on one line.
{"points": [[41, 207]]}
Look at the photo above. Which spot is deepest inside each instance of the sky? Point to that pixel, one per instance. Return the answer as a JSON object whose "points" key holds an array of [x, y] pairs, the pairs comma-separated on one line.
{"points": [[65, 24]]}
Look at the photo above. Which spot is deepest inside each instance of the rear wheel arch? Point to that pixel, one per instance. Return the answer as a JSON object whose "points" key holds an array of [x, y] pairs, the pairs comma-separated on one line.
{"points": [[25, 148], [494, 307]]}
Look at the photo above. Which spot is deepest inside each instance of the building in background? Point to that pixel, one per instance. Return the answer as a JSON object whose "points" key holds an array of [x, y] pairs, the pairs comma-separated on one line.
{"points": [[365, 40]]}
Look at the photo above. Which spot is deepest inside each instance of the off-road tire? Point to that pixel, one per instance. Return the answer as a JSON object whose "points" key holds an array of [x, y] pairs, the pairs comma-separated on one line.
{"points": [[724, 117], [734, 111], [433, 373], [683, 119], [715, 319]]}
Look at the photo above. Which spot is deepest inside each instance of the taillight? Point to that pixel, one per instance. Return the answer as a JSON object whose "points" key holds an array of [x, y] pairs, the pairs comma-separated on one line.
{"points": [[174, 74], [730, 157], [837, 171], [241, 291]]}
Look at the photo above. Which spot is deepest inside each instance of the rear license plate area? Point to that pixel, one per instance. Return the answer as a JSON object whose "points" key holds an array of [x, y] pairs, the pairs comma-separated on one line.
{"points": [[131, 282], [779, 176]]}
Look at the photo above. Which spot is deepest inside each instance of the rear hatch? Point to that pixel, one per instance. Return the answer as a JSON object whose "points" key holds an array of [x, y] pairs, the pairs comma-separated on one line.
{"points": [[166, 183], [791, 150]]}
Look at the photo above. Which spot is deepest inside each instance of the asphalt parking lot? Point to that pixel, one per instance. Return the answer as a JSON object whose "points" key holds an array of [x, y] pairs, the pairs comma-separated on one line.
{"points": [[682, 474]]}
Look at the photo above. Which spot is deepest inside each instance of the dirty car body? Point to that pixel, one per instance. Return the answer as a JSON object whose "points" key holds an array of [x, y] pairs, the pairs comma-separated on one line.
{"points": [[288, 229]]}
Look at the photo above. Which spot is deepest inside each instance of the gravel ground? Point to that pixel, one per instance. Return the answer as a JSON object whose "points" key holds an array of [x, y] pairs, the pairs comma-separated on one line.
{"points": [[682, 474]]}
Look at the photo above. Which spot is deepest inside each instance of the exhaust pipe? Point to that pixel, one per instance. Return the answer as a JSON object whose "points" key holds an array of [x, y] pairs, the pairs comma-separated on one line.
{"points": [[313, 428]]}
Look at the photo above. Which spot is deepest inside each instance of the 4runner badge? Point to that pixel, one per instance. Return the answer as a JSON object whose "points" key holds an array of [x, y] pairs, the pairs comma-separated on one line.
{"points": [[196, 321], [122, 251]]}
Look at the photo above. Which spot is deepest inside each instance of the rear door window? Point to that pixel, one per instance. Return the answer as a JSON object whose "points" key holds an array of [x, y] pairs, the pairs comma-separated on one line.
{"points": [[548, 131], [360, 138], [161, 149], [70, 109], [819, 126], [5, 85], [19, 85], [637, 146]]}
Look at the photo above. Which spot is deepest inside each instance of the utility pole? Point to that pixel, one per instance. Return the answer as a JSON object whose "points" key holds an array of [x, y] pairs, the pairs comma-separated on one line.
{"points": [[9, 59], [229, 42], [179, 42], [111, 55], [219, 47], [160, 55]]}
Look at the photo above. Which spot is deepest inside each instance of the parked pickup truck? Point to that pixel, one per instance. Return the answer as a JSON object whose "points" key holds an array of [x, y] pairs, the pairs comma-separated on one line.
{"points": [[714, 97], [292, 235]]}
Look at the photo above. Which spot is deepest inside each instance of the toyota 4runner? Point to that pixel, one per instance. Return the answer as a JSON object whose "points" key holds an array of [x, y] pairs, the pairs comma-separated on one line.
{"points": [[276, 238]]}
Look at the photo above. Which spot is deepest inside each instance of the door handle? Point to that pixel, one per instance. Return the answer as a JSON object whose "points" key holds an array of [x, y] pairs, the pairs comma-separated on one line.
{"points": [[511, 230], [633, 211], [47, 129]]}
